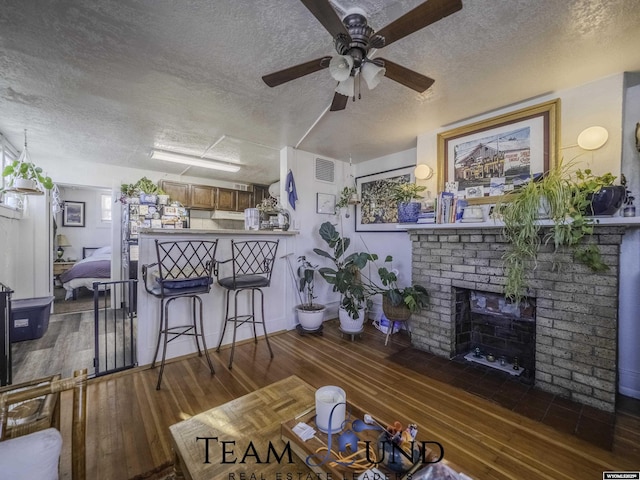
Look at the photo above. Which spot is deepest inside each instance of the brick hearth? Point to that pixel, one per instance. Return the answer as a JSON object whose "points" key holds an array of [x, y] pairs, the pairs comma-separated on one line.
{"points": [[577, 309]]}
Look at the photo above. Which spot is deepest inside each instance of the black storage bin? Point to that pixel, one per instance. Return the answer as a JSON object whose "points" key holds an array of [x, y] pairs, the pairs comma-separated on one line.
{"points": [[29, 318]]}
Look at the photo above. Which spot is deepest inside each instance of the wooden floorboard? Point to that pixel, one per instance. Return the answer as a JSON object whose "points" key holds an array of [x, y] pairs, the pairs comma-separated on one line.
{"points": [[128, 429]]}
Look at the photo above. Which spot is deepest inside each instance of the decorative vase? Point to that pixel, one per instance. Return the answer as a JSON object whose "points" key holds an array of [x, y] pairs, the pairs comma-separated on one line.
{"points": [[148, 198], [348, 324], [606, 201], [408, 212], [310, 320]]}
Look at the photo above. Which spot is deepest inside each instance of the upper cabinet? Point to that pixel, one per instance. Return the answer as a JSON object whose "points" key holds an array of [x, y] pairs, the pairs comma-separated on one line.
{"points": [[227, 199], [178, 192], [245, 200], [204, 197]]}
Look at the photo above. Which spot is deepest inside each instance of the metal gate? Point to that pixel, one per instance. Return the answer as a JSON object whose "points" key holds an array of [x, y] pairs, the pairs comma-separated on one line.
{"points": [[115, 320]]}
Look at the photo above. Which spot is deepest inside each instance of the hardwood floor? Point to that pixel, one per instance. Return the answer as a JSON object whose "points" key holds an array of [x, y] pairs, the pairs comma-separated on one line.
{"points": [[128, 420]]}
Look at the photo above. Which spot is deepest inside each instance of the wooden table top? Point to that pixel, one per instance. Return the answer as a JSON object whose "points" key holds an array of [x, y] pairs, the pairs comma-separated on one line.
{"points": [[252, 422]]}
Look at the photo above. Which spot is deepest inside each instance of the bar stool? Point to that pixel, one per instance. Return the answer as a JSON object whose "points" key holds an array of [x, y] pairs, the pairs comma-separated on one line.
{"points": [[252, 265], [184, 270]]}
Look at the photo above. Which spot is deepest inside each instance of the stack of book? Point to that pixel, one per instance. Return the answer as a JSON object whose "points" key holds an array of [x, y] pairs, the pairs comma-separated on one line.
{"points": [[449, 208]]}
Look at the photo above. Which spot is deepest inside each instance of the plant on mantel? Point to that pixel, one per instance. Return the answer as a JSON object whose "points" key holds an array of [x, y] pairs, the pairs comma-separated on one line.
{"points": [[565, 200]]}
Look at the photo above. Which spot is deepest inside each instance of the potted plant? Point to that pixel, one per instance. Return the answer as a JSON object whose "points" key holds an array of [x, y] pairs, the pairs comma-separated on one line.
{"points": [[404, 194], [345, 277], [128, 192], [602, 196], [399, 303], [565, 200], [310, 314], [26, 176], [148, 191]]}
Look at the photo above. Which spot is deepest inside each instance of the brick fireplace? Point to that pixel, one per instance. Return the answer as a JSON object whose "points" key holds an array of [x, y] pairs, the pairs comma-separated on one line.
{"points": [[576, 309]]}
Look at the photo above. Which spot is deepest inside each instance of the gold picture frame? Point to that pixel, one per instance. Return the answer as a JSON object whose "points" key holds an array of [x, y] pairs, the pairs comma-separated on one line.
{"points": [[472, 154]]}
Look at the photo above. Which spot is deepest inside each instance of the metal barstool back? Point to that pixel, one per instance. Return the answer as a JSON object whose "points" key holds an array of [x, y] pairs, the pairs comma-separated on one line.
{"points": [[184, 270], [252, 266]]}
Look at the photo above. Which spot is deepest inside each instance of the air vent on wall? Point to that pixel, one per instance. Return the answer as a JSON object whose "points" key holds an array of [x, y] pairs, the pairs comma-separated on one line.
{"points": [[241, 186], [325, 170]]}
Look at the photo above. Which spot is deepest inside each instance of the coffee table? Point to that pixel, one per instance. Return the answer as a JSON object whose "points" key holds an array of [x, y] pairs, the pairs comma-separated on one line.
{"points": [[252, 422]]}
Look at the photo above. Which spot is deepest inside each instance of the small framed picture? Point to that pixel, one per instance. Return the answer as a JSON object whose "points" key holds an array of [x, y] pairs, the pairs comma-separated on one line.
{"points": [[73, 214], [326, 203]]}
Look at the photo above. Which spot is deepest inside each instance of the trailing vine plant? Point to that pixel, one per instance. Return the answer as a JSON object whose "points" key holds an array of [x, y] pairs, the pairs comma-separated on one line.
{"points": [[565, 202]]}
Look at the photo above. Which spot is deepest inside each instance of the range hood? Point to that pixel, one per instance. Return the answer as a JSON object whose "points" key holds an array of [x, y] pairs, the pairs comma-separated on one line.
{"points": [[226, 215]]}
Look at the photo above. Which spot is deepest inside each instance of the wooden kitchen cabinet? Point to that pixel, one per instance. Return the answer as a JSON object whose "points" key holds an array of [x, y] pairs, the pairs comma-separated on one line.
{"points": [[227, 199], [245, 200], [260, 192], [178, 192], [203, 197]]}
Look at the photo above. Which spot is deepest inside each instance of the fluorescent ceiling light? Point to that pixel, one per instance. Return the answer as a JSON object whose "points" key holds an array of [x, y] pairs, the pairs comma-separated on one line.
{"points": [[194, 161]]}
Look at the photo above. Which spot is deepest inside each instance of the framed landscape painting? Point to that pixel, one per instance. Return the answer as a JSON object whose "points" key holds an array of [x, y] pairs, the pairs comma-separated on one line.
{"points": [[73, 214], [491, 157], [377, 211]]}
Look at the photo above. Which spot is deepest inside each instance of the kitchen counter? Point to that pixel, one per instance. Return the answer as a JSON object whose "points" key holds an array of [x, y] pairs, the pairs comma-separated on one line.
{"points": [[221, 231], [279, 301]]}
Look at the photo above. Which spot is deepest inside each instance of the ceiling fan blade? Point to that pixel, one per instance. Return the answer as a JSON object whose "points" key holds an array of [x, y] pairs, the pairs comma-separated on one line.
{"points": [[291, 73], [339, 102], [327, 16], [425, 14], [406, 77]]}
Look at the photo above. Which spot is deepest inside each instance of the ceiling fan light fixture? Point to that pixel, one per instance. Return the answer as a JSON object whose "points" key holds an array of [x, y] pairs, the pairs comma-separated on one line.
{"points": [[203, 162], [346, 87], [372, 74], [340, 67]]}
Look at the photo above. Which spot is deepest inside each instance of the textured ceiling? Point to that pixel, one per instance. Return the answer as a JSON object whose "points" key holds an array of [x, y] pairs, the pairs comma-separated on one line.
{"points": [[106, 81]]}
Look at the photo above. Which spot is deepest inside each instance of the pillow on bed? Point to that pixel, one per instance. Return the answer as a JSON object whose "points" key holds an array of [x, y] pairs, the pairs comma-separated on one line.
{"points": [[102, 250]]}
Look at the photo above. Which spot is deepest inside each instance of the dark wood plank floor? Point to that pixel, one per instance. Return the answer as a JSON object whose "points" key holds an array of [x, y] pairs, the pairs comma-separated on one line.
{"points": [[128, 419]]}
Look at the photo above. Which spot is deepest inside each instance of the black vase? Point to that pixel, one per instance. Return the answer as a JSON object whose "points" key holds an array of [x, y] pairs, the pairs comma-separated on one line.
{"points": [[607, 201]]}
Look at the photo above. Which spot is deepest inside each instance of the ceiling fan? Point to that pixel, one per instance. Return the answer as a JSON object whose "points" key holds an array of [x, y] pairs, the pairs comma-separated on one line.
{"points": [[353, 39]]}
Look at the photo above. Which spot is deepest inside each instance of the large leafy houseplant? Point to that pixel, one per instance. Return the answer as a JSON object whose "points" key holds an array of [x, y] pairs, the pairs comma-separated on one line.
{"points": [[345, 276], [562, 198]]}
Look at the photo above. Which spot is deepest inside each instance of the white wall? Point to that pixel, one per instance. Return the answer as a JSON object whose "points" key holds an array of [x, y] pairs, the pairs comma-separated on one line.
{"points": [[305, 219], [95, 233], [24, 242], [629, 328]]}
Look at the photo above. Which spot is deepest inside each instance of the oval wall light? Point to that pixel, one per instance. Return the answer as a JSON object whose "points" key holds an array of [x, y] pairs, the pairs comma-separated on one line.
{"points": [[593, 138], [423, 172]]}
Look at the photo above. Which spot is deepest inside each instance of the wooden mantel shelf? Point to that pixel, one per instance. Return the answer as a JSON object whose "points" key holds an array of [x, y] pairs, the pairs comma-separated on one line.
{"points": [[630, 222]]}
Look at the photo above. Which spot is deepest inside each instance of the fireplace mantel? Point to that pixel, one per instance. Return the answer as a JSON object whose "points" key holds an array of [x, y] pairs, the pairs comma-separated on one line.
{"points": [[629, 222]]}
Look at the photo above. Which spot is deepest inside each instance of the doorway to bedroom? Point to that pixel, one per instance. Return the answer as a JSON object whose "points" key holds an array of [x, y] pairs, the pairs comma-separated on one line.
{"points": [[82, 235]]}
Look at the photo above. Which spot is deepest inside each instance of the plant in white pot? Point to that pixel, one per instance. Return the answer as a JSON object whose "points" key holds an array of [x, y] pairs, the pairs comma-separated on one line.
{"points": [[345, 277], [310, 313], [25, 176], [405, 194]]}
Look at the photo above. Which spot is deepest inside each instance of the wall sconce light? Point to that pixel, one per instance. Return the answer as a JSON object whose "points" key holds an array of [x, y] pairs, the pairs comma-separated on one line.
{"points": [[423, 172], [593, 138]]}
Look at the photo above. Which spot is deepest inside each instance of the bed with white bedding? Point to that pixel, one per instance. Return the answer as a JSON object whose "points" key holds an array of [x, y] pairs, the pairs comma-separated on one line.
{"points": [[95, 267]]}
